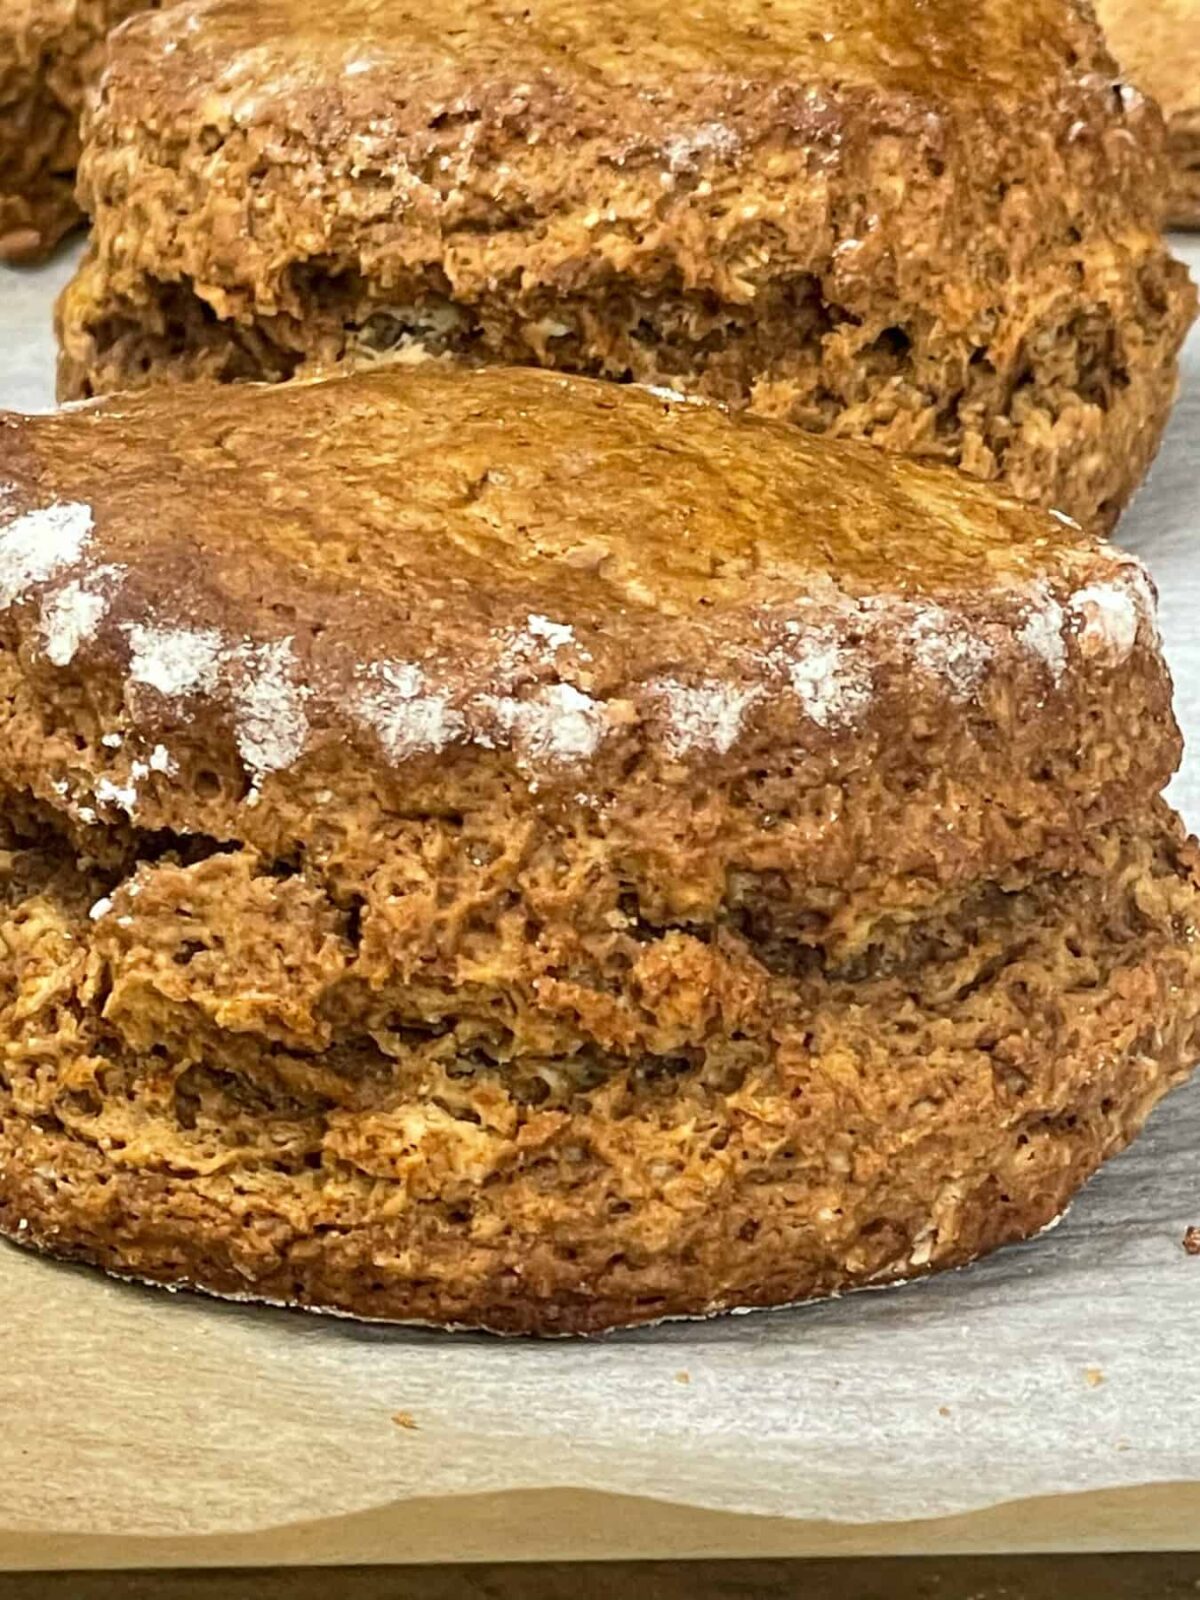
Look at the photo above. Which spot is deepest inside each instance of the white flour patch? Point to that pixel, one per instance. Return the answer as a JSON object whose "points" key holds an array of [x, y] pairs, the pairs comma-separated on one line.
{"points": [[70, 619], [1042, 633], [272, 725], [109, 792], [100, 909], [944, 646], [687, 148], [1137, 580], [558, 724], [834, 687], [175, 661], [1108, 622], [398, 707], [556, 634], [535, 645], [705, 716], [123, 796], [72, 615], [40, 544]]}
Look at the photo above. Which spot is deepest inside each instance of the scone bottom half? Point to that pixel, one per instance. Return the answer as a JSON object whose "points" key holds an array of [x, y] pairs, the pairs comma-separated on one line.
{"points": [[502, 850]]}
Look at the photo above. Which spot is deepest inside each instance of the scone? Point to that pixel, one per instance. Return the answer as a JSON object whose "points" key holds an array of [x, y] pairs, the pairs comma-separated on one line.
{"points": [[50, 55], [499, 849], [1158, 43], [933, 226]]}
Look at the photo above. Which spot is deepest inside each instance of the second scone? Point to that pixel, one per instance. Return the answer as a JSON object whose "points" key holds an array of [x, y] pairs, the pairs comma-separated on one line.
{"points": [[933, 226]]}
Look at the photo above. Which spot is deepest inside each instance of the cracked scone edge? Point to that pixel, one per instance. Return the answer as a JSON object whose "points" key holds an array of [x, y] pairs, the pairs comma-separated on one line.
{"points": [[419, 1004], [966, 268]]}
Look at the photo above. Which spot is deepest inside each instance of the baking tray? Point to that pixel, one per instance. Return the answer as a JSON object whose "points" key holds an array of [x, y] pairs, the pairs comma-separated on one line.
{"points": [[1043, 1399]]}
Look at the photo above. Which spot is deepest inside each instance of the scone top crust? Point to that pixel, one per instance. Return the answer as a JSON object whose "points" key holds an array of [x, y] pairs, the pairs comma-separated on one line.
{"points": [[442, 566], [620, 81], [613, 45], [555, 99]]}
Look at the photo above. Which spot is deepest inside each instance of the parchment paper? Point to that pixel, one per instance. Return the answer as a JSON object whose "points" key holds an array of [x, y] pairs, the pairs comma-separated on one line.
{"points": [[1063, 1366]]}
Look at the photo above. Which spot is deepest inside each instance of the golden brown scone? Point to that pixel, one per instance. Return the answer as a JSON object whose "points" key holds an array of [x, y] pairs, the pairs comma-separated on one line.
{"points": [[1157, 42], [500, 849], [932, 226], [50, 56]]}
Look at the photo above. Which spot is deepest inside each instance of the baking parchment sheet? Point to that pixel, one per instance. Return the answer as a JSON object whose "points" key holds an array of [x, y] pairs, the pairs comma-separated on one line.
{"points": [[1065, 1365]]}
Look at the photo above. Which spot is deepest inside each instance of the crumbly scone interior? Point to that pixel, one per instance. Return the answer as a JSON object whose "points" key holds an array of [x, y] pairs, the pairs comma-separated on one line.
{"points": [[473, 1038]]}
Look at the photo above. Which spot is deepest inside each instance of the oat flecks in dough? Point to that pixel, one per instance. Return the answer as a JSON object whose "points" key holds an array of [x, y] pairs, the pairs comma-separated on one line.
{"points": [[397, 704], [40, 544], [175, 660]]}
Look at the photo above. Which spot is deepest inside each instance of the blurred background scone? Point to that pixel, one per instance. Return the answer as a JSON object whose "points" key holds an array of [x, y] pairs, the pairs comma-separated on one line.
{"points": [[50, 55], [932, 226], [1157, 42], [496, 848]]}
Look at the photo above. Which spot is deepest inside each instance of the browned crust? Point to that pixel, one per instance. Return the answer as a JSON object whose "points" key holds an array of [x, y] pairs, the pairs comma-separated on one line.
{"points": [[689, 573], [908, 234]]}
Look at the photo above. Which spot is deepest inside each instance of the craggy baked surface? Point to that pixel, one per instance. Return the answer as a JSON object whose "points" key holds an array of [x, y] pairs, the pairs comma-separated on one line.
{"points": [[933, 226], [50, 56], [585, 858], [1158, 44]]}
